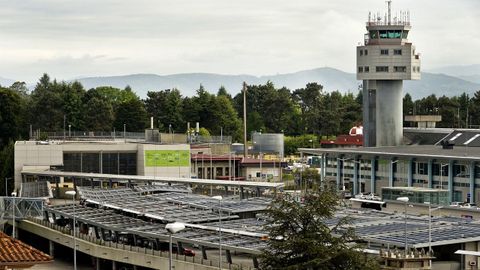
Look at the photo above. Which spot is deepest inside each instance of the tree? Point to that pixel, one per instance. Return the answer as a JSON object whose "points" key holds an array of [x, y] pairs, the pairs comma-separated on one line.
{"points": [[46, 105], [98, 111], [299, 238], [12, 109], [166, 107], [132, 113]]}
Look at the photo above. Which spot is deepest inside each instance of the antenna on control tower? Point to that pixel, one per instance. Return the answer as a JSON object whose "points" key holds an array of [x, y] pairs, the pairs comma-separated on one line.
{"points": [[389, 2]]}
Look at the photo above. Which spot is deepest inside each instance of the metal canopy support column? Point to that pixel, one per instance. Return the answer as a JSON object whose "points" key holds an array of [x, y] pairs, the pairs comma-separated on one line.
{"points": [[372, 175], [242, 195], [355, 177], [410, 173], [450, 181], [204, 253], [472, 182], [430, 173]]}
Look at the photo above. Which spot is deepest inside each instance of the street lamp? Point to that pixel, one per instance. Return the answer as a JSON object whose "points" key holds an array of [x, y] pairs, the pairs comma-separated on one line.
{"points": [[219, 198], [405, 201], [430, 210], [69, 130], [172, 228], [14, 194], [311, 141], [73, 193]]}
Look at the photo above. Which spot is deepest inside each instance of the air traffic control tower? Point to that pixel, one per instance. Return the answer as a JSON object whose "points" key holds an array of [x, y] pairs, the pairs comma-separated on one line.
{"points": [[384, 60]]}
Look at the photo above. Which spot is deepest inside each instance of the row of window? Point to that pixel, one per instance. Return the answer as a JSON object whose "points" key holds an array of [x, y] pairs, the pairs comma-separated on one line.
{"points": [[383, 69], [383, 52], [374, 34]]}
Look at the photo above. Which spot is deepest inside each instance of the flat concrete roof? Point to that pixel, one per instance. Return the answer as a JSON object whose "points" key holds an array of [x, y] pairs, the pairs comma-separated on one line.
{"points": [[404, 151], [142, 178]]}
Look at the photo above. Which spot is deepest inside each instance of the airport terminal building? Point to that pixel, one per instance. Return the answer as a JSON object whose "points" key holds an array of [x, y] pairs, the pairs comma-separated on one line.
{"points": [[453, 166]]}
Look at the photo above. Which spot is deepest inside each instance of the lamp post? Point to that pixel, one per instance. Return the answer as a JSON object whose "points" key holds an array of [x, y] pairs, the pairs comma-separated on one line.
{"points": [[311, 141], [6, 187], [441, 174], [14, 194], [430, 210], [172, 228], [405, 201], [69, 130], [219, 198], [73, 193]]}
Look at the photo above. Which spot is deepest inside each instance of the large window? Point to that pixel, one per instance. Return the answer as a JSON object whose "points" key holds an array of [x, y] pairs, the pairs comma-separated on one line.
{"points": [[397, 52], [382, 68], [384, 52], [390, 34], [111, 163], [399, 69]]}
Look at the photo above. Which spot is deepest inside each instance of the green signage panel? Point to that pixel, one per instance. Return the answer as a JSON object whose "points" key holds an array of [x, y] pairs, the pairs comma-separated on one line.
{"points": [[167, 158]]}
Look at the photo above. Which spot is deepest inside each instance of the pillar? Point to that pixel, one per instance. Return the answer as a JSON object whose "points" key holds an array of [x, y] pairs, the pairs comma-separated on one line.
{"points": [[390, 175], [410, 173], [229, 256], [355, 177], [339, 172], [51, 248], [430, 173], [114, 265], [472, 182], [322, 168], [450, 180], [372, 176], [97, 264], [242, 195]]}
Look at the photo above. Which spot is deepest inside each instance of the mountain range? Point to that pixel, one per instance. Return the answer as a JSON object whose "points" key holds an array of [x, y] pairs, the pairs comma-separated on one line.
{"points": [[449, 81], [332, 79]]}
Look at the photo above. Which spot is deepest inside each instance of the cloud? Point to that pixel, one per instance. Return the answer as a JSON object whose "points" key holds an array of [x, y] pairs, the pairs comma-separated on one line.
{"points": [[111, 37]]}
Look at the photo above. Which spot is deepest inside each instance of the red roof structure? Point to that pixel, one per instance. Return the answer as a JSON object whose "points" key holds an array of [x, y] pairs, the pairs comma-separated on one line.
{"points": [[16, 254]]}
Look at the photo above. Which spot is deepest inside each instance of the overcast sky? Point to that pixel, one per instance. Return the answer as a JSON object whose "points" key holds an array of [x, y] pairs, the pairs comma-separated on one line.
{"points": [[70, 39]]}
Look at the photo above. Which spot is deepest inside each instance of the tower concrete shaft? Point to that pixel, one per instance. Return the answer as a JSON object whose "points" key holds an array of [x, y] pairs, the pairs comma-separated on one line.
{"points": [[384, 60]]}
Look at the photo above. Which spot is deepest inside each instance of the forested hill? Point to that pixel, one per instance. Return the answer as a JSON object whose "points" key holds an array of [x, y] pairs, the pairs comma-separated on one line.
{"points": [[331, 79]]}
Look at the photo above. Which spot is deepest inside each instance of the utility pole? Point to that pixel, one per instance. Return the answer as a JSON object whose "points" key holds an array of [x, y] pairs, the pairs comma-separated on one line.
{"points": [[245, 148]]}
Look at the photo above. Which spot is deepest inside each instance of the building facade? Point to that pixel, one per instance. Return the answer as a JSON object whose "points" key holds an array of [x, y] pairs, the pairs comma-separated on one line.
{"points": [[105, 157]]}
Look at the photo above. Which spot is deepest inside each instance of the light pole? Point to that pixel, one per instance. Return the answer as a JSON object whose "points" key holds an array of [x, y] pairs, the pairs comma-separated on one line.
{"points": [[14, 194], [430, 210], [441, 174], [405, 201], [6, 187], [219, 198], [172, 228], [311, 141], [69, 130], [73, 193]]}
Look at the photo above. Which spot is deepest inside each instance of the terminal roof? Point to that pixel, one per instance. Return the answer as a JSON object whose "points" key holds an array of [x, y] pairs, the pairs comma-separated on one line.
{"points": [[404, 151], [143, 178]]}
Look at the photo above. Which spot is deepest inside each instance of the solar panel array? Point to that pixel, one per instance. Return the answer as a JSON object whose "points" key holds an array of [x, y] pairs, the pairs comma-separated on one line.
{"points": [[110, 220]]}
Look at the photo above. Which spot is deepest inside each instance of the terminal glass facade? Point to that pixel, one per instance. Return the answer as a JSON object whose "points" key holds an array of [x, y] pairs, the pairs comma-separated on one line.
{"points": [[96, 162], [420, 195]]}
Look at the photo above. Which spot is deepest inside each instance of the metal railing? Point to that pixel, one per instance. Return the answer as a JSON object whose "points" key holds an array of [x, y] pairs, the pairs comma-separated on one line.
{"points": [[88, 135]]}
